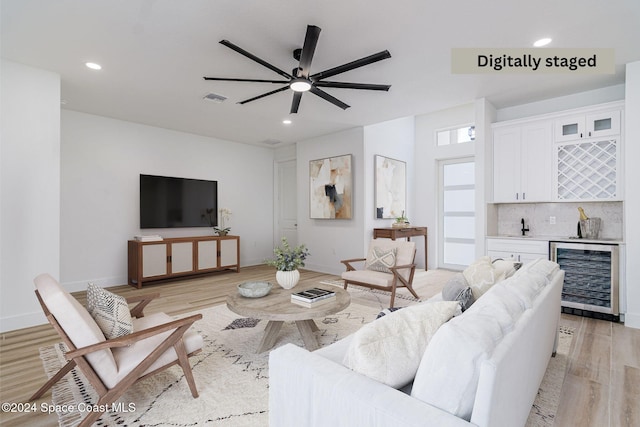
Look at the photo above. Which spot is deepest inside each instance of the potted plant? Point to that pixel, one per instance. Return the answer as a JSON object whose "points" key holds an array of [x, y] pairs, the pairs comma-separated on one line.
{"points": [[401, 222], [225, 215], [287, 260]]}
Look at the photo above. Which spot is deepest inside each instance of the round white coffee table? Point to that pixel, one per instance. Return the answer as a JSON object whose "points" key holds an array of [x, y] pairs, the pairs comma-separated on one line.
{"points": [[277, 308]]}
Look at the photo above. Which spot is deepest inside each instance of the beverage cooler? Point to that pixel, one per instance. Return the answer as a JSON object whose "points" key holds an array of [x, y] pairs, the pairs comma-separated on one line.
{"points": [[591, 282]]}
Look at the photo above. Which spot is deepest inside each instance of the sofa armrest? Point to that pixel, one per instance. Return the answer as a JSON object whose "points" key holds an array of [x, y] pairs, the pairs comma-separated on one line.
{"points": [[306, 389]]}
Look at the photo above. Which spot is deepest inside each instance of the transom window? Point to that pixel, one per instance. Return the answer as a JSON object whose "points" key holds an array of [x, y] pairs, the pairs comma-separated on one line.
{"points": [[458, 135]]}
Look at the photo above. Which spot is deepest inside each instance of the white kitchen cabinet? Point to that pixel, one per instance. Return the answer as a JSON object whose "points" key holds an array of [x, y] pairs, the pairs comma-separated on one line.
{"points": [[522, 250], [523, 162], [589, 125]]}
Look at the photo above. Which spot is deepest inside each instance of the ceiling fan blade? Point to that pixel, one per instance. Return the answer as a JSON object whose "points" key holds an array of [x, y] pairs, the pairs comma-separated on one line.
{"points": [[264, 94], [224, 79], [351, 65], [308, 49], [297, 96], [324, 95], [251, 56], [344, 85]]}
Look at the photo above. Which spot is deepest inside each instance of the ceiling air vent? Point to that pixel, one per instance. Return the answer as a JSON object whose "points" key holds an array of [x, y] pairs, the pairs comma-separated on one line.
{"points": [[214, 97]]}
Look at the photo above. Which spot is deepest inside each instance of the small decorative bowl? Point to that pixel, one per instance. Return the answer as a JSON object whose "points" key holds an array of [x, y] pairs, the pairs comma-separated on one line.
{"points": [[254, 289]]}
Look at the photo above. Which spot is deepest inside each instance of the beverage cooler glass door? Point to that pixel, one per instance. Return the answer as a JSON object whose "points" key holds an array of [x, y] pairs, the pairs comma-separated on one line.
{"points": [[591, 276]]}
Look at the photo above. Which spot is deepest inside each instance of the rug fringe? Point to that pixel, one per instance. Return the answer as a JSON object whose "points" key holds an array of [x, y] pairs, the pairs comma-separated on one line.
{"points": [[62, 392]]}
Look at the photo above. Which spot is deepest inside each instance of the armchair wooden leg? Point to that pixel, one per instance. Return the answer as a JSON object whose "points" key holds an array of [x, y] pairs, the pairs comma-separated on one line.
{"points": [[393, 296], [54, 379], [183, 360]]}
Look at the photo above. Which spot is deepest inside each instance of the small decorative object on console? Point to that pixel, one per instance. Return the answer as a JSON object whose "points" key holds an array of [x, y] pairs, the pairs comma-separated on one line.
{"points": [[401, 222]]}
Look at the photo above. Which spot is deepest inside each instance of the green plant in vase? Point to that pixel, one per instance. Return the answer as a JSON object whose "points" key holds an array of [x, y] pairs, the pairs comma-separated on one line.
{"points": [[287, 261]]}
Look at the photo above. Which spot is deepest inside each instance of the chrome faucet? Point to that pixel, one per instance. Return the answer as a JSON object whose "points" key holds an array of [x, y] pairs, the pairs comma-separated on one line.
{"points": [[524, 230]]}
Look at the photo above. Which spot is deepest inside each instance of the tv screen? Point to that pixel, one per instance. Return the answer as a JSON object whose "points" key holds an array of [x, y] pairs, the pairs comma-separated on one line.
{"points": [[167, 202]]}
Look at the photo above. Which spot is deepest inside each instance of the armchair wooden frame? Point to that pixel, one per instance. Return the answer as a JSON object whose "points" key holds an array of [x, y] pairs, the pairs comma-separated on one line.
{"points": [[398, 279], [76, 356]]}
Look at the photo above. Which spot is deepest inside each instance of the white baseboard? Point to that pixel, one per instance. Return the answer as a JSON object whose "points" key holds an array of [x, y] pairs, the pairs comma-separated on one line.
{"points": [[632, 320], [104, 282], [27, 320]]}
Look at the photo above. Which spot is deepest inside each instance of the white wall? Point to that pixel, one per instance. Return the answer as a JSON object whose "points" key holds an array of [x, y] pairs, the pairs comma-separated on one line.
{"points": [[29, 189], [330, 240], [102, 159], [427, 155], [568, 102], [394, 139], [632, 195]]}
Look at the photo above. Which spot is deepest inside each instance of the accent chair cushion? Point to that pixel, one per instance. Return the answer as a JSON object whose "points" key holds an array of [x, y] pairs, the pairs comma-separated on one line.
{"points": [[77, 323], [127, 358], [389, 350], [380, 259], [110, 311]]}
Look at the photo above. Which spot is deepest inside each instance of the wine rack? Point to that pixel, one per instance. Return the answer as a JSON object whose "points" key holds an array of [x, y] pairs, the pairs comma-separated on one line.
{"points": [[588, 170]]}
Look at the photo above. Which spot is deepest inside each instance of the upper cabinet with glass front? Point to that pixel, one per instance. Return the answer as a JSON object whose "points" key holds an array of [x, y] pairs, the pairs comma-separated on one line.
{"points": [[584, 126]]}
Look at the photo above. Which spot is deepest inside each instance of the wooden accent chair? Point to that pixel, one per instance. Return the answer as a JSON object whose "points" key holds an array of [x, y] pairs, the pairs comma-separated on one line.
{"points": [[398, 274], [113, 365]]}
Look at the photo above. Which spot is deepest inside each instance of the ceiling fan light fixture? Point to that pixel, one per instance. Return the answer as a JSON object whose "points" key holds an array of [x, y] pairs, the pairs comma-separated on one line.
{"points": [[300, 85]]}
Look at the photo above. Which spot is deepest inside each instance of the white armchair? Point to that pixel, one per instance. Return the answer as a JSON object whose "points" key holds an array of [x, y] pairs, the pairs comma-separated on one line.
{"points": [[389, 264], [113, 365]]}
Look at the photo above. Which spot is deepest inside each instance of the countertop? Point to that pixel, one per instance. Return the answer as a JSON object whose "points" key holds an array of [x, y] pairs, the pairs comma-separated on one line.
{"points": [[570, 239]]}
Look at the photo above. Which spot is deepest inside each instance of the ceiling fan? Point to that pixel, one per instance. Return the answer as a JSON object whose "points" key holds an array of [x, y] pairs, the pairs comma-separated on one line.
{"points": [[301, 80]]}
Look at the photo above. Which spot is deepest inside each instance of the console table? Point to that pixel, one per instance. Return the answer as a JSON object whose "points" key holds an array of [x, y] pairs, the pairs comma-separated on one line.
{"points": [[398, 233], [185, 256]]}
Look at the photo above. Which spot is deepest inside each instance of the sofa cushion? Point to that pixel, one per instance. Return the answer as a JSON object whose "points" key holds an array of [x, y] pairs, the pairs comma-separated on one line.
{"points": [[457, 289], [389, 350], [110, 311], [380, 259]]}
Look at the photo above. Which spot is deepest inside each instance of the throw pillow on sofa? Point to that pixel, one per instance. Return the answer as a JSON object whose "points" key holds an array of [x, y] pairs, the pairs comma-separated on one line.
{"points": [[110, 311], [457, 289], [480, 275], [389, 350]]}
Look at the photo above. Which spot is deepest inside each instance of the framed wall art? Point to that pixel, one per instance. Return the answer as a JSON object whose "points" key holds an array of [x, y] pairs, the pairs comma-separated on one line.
{"points": [[331, 188], [390, 187]]}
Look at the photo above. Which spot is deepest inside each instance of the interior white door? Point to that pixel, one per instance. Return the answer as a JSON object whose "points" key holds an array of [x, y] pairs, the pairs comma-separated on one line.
{"points": [[286, 202]]}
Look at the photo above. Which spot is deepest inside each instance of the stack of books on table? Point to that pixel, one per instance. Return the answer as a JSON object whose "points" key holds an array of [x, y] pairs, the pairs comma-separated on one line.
{"points": [[148, 238], [313, 297]]}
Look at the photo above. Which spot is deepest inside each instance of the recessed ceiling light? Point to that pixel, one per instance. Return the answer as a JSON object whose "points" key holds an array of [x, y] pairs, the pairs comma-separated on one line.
{"points": [[542, 42], [286, 121], [93, 65]]}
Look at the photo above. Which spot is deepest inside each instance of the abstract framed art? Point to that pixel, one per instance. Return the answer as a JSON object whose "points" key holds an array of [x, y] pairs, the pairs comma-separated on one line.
{"points": [[331, 188], [390, 187]]}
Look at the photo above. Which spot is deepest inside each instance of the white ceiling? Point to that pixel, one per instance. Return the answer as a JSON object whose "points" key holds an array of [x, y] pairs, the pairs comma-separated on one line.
{"points": [[154, 54]]}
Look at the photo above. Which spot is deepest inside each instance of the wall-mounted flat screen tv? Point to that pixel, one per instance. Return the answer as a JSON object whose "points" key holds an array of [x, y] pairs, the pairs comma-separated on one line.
{"points": [[167, 202]]}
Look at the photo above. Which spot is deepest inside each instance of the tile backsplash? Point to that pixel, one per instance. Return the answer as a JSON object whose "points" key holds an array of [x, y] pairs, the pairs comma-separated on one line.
{"points": [[537, 218]]}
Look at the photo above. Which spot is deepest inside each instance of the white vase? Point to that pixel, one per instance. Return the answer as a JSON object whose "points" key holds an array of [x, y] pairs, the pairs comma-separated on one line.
{"points": [[287, 279]]}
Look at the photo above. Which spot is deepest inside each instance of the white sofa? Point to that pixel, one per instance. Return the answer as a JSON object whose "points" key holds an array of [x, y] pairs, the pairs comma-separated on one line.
{"points": [[481, 368]]}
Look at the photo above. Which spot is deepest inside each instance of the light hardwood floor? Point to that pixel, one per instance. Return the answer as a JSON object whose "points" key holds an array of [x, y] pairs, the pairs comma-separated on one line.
{"points": [[601, 387]]}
